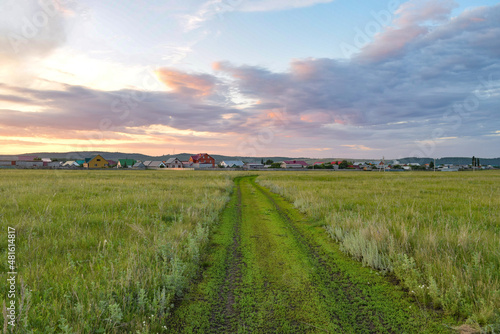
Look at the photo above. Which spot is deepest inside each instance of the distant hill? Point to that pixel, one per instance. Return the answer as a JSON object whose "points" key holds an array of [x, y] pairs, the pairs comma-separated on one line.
{"points": [[452, 160], [219, 158], [138, 156]]}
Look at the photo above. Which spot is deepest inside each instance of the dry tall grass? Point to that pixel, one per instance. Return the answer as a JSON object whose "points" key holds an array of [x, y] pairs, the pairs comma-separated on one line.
{"points": [[106, 251], [439, 233]]}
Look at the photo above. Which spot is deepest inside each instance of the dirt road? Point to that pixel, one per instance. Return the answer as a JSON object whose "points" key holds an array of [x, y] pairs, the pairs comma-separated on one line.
{"points": [[269, 269]]}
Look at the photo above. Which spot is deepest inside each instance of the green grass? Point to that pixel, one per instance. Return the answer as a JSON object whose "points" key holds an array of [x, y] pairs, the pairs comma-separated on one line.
{"points": [[438, 233], [106, 251], [115, 251], [270, 269]]}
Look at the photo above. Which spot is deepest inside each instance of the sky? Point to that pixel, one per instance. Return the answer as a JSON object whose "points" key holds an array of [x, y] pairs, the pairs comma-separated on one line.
{"points": [[299, 78]]}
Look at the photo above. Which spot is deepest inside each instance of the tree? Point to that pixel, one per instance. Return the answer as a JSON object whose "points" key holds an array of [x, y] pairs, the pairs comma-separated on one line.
{"points": [[431, 165], [269, 162], [275, 165], [262, 161], [473, 161], [343, 164]]}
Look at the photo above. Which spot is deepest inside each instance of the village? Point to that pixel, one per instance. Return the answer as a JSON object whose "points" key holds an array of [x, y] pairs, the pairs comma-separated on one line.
{"points": [[203, 161]]}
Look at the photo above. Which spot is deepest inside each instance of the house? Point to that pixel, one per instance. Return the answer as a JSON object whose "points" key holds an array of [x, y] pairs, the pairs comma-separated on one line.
{"points": [[27, 158], [29, 163], [112, 163], [7, 163], [52, 164], [69, 164], [232, 164], [139, 165], [202, 160], [187, 164], [125, 163], [294, 164], [253, 166], [47, 162], [154, 164], [173, 163], [80, 162], [96, 162]]}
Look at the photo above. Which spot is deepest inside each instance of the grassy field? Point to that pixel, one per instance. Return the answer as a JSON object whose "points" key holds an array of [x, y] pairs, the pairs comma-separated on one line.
{"points": [[270, 269], [160, 252], [105, 251], [438, 233]]}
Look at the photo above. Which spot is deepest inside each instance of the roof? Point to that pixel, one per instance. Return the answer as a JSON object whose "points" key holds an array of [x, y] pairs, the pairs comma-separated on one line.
{"points": [[155, 163], [80, 162], [198, 156], [233, 162], [296, 162], [129, 162], [26, 157], [172, 160]]}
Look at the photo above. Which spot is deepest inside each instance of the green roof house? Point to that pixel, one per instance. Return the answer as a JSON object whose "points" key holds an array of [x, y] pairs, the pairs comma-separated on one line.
{"points": [[125, 163]]}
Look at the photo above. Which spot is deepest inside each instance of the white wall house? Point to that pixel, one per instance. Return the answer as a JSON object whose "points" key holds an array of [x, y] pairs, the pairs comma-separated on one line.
{"points": [[232, 164]]}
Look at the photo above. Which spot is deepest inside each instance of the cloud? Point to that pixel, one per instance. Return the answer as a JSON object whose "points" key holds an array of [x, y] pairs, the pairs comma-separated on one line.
{"points": [[272, 5], [360, 148], [34, 28], [409, 24], [415, 12], [423, 88], [123, 111], [214, 8], [187, 84], [435, 83]]}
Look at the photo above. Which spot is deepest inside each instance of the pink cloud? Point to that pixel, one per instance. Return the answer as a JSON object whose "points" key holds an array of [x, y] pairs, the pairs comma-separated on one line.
{"points": [[391, 42], [407, 27], [303, 70], [415, 12], [192, 85], [316, 117]]}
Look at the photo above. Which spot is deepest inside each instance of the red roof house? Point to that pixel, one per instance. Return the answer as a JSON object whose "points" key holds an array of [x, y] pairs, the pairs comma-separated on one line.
{"points": [[202, 158]]}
